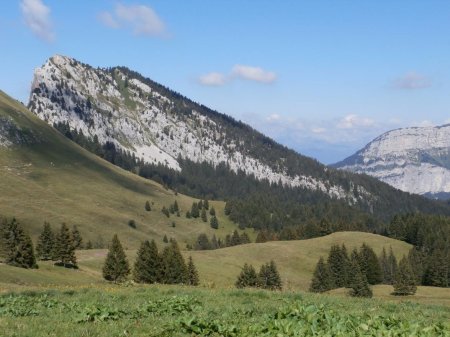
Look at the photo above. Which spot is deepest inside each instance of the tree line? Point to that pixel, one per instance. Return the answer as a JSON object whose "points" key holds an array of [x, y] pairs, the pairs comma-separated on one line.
{"points": [[361, 269], [204, 243], [267, 277], [150, 266], [16, 246]]}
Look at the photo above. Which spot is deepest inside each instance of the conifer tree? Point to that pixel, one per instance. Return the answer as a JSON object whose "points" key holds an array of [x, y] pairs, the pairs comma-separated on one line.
{"points": [[192, 274], [214, 242], [268, 277], [116, 266], [195, 213], [247, 277], [212, 211], [213, 222], [89, 244], [45, 248], [235, 238], [200, 205], [321, 280], [175, 206], [76, 237], [203, 216], [359, 284], [371, 266], [404, 279], [188, 215], [148, 264], [147, 206], [244, 238], [165, 211], [417, 261], [437, 272], [174, 266], [202, 242], [17, 245], [388, 265], [338, 266], [261, 237], [64, 248], [206, 204]]}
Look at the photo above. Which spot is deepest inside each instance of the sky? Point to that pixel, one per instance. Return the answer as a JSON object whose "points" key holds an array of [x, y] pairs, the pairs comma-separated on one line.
{"points": [[321, 77]]}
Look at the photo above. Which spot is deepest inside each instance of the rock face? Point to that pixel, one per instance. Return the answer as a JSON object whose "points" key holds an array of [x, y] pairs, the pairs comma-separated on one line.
{"points": [[415, 160], [159, 126]]}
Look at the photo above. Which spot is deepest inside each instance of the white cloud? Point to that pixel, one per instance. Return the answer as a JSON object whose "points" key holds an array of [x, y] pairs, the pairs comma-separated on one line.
{"points": [[354, 121], [253, 73], [238, 71], [37, 17], [318, 130], [213, 79], [142, 20], [412, 80], [108, 20], [273, 118]]}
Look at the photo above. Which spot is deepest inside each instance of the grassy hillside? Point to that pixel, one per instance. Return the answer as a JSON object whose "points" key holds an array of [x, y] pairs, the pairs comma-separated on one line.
{"points": [[49, 178], [218, 269]]}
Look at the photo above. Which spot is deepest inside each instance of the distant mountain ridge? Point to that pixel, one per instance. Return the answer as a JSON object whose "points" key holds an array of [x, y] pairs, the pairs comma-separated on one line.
{"points": [[415, 160], [158, 125]]}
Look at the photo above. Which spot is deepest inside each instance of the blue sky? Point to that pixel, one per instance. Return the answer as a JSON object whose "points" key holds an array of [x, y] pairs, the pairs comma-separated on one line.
{"points": [[322, 77]]}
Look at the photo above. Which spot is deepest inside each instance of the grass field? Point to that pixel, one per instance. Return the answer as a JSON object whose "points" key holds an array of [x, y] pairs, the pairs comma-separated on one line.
{"points": [[55, 180], [112, 310]]}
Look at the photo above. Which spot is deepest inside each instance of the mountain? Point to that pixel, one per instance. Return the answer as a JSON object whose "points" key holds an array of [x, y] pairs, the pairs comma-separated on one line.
{"points": [[195, 149], [415, 160], [46, 177]]}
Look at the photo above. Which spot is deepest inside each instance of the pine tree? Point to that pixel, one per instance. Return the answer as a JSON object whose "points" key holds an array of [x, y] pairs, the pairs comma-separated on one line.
{"points": [[247, 277], [388, 265], [165, 239], [175, 206], [200, 205], [214, 242], [268, 277], [64, 248], [45, 248], [371, 268], [165, 211], [147, 206], [404, 279], [244, 238], [89, 245], [192, 274], [148, 264], [321, 280], [235, 238], [212, 211], [174, 266], [437, 271], [76, 237], [359, 284], [202, 242], [17, 245], [338, 266], [188, 215], [206, 204], [116, 266], [195, 213], [417, 261], [203, 216], [213, 222]]}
